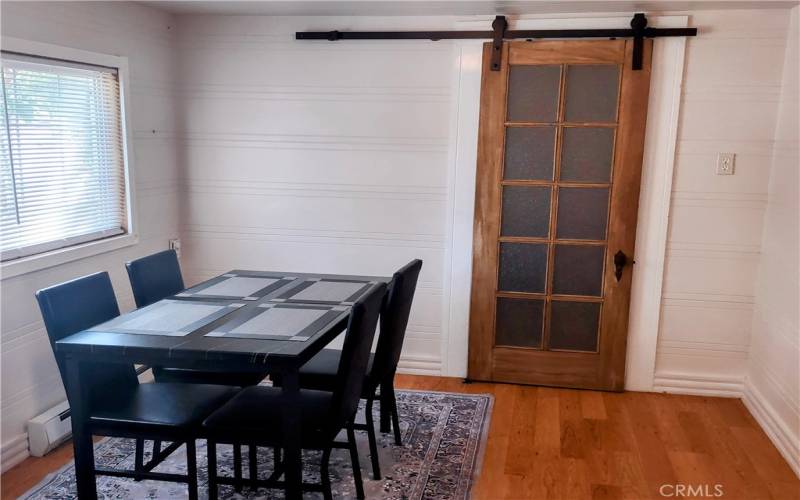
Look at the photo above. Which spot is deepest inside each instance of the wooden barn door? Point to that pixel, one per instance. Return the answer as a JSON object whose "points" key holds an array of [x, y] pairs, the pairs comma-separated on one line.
{"points": [[559, 166]]}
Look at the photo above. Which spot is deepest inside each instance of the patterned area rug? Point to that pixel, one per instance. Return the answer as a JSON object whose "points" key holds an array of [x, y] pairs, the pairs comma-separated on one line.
{"points": [[443, 439]]}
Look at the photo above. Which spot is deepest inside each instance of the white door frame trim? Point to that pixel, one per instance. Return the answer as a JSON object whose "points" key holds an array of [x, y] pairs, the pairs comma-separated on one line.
{"points": [[654, 204]]}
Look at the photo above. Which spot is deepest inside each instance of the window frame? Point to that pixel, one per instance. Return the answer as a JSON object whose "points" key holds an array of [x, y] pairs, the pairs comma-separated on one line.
{"points": [[43, 260]]}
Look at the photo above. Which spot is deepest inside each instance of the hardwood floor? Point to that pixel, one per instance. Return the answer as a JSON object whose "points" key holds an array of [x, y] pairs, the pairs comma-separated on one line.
{"points": [[569, 444]]}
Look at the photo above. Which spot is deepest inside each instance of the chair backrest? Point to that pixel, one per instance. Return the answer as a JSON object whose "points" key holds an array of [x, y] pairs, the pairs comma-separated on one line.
{"points": [[354, 359], [394, 320], [74, 306], [155, 277]]}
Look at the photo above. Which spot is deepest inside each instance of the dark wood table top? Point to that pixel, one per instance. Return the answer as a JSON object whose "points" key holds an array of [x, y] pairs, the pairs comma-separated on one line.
{"points": [[242, 319]]}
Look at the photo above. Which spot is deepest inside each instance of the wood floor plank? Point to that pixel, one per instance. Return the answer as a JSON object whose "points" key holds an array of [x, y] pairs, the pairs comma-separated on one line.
{"points": [[522, 432], [547, 443], [592, 405]]}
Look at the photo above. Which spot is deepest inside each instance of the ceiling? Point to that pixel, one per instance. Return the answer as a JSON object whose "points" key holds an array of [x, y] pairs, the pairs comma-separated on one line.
{"points": [[444, 7]]}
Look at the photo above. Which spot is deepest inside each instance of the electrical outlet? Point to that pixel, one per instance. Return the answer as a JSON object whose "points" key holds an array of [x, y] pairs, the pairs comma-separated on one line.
{"points": [[175, 244], [725, 163]]}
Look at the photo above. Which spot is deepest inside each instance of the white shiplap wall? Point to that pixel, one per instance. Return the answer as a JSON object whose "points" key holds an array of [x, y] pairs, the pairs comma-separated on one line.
{"points": [[316, 156], [30, 379], [730, 103], [772, 386]]}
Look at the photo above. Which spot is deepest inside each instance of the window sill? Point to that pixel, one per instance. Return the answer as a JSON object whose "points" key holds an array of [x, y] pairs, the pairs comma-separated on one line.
{"points": [[34, 263]]}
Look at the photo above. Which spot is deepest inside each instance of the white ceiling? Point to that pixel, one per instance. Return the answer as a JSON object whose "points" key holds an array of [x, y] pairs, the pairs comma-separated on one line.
{"points": [[445, 7]]}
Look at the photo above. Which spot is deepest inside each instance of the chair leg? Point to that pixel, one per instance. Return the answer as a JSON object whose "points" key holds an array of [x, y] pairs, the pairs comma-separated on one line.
{"points": [[212, 470], [138, 462], [191, 468], [237, 467], [385, 407], [373, 445], [156, 448], [326, 478], [253, 449], [395, 418], [351, 441]]}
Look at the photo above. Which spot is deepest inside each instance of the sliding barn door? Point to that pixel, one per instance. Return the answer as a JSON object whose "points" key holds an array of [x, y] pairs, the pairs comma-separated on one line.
{"points": [[559, 166]]}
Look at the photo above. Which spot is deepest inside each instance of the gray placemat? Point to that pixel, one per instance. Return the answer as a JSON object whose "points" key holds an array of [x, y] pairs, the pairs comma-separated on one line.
{"points": [[328, 291], [237, 286], [169, 317], [282, 321]]}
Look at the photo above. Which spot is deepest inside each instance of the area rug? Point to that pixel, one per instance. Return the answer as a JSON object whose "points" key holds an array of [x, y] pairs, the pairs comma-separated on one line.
{"points": [[443, 438]]}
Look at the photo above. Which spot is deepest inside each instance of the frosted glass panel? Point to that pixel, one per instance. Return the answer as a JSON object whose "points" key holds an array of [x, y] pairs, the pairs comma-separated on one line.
{"points": [[526, 211], [592, 93], [578, 270], [519, 322], [523, 267], [582, 213], [574, 325], [529, 153], [533, 93], [586, 154]]}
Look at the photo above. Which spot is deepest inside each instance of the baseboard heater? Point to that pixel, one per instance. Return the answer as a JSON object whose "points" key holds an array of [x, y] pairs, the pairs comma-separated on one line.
{"points": [[53, 427], [50, 429]]}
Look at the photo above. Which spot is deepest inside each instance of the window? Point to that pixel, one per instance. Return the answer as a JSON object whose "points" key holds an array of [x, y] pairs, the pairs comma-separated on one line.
{"points": [[62, 160]]}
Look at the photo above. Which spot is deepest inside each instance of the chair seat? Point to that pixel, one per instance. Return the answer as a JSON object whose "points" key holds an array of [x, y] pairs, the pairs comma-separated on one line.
{"points": [[188, 376], [155, 408], [255, 415], [320, 371]]}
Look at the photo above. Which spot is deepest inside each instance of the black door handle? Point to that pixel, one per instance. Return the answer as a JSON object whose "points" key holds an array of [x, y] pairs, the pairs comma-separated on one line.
{"points": [[620, 260]]}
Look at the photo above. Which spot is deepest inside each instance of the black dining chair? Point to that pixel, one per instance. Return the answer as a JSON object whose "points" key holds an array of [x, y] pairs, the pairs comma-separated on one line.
{"points": [[156, 277], [254, 416], [118, 405], [321, 371]]}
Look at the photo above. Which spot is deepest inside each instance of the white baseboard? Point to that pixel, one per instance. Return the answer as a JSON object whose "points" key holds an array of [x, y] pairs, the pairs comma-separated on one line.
{"points": [[777, 431], [698, 385], [420, 365], [14, 451]]}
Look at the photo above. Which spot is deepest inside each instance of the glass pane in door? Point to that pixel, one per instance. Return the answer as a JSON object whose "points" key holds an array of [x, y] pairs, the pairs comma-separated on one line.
{"points": [[523, 267], [591, 93], [582, 213], [519, 322], [526, 211], [574, 326], [578, 270], [533, 93], [529, 153], [586, 154]]}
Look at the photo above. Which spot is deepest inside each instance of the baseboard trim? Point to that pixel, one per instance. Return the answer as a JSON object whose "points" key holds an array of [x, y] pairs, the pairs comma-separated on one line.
{"points": [[14, 451], [775, 428], [420, 365], [699, 385]]}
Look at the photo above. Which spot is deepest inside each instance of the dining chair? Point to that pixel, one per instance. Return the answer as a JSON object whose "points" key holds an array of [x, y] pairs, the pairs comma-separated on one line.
{"points": [[254, 416], [118, 405], [156, 277], [320, 372]]}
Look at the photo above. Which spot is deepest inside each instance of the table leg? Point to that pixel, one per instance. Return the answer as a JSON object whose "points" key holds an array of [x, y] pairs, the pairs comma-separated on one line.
{"points": [[291, 431], [81, 437]]}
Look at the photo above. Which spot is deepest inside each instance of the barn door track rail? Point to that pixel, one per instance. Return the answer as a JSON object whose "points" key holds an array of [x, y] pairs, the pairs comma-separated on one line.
{"points": [[638, 31]]}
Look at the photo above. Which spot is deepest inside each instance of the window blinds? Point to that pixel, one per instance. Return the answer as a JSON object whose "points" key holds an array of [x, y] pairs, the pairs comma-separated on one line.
{"points": [[62, 170]]}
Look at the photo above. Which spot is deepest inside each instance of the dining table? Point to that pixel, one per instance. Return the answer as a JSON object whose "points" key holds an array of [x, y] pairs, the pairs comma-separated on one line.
{"points": [[242, 320]]}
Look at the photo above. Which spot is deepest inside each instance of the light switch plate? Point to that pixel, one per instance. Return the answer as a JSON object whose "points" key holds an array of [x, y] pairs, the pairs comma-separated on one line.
{"points": [[175, 244], [725, 163]]}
